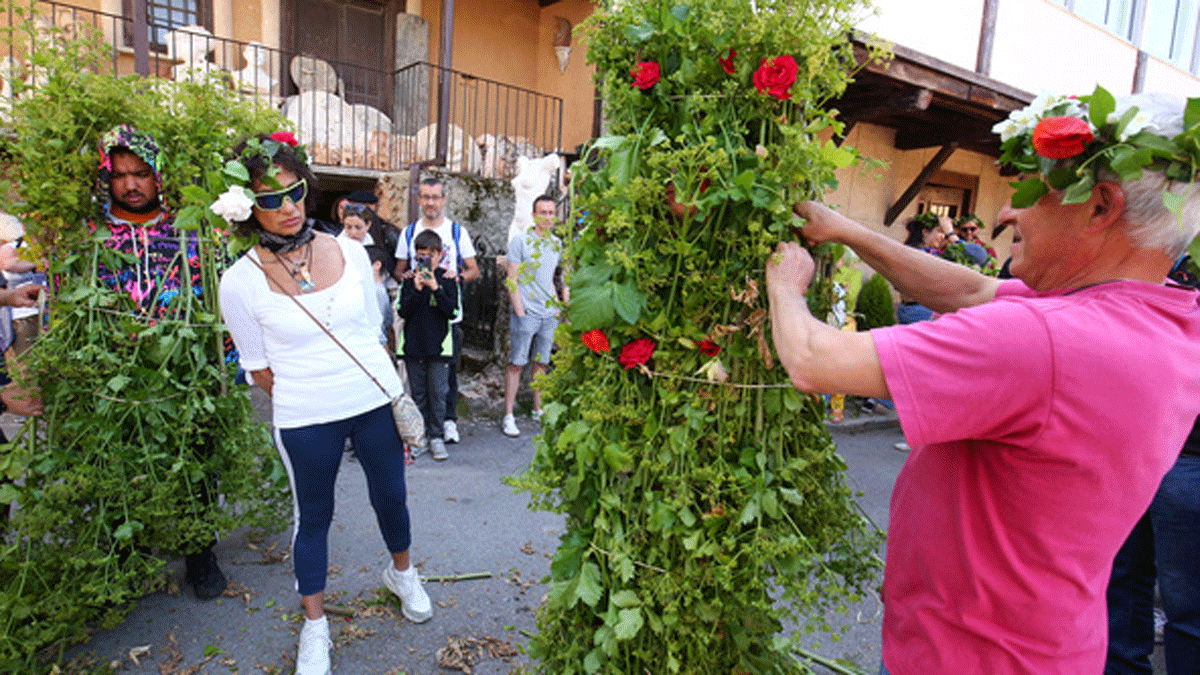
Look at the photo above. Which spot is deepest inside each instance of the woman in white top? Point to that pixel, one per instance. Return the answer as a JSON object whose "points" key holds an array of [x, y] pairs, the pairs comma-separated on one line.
{"points": [[320, 397]]}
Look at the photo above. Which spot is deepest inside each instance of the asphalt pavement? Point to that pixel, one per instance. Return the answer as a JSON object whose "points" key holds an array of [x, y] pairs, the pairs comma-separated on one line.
{"points": [[465, 521]]}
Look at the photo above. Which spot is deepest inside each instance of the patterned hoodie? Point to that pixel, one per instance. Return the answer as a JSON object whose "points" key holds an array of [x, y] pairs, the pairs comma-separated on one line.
{"points": [[150, 239]]}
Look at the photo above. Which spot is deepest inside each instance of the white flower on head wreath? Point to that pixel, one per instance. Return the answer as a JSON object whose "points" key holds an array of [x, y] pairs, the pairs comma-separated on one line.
{"points": [[237, 202], [234, 205]]}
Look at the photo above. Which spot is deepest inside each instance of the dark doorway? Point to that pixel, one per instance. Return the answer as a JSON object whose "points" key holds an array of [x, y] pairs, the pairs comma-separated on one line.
{"points": [[356, 36]]}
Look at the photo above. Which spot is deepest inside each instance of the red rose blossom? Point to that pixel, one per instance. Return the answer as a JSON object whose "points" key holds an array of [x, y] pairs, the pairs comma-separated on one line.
{"points": [[646, 74], [595, 340], [285, 137], [775, 76], [1061, 137], [708, 348], [637, 352], [727, 62]]}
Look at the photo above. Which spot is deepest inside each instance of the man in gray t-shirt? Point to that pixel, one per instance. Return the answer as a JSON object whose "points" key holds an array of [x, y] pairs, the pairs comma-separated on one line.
{"points": [[533, 258]]}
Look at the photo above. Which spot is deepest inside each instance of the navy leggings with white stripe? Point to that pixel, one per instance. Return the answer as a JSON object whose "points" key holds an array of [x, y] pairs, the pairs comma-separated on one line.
{"points": [[312, 455]]}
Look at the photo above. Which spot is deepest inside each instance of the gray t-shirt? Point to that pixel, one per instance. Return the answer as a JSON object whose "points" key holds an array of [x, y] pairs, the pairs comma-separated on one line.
{"points": [[536, 257]]}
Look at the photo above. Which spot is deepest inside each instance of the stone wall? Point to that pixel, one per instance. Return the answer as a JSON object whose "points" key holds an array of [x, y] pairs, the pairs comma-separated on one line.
{"points": [[484, 206]]}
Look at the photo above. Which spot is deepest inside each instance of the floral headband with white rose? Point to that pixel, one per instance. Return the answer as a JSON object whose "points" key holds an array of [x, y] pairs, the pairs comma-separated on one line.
{"points": [[237, 202], [1066, 143]]}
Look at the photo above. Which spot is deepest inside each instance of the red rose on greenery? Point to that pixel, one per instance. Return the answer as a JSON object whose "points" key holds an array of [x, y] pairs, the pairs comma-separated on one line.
{"points": [[775, 76], [727, 62], [1061, 137], [708, 348], [637, 352], [595, 340], [646, 74], [285, 137]]}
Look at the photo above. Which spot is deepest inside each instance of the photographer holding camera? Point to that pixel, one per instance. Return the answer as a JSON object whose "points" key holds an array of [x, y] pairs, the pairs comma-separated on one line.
{"points": [[428, 303], [458, 259]]}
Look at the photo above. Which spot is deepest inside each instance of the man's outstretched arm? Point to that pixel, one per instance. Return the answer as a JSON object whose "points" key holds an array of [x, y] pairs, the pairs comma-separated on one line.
{"points": [[938, 284], [818, 357]]}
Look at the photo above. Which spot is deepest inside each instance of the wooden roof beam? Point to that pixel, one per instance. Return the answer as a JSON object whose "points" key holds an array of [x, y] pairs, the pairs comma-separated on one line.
{"points": [[920, 182], [899, 103]]}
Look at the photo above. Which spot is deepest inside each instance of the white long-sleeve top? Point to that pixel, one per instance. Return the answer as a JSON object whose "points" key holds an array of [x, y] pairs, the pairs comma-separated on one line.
{"points": [[315, 381]]}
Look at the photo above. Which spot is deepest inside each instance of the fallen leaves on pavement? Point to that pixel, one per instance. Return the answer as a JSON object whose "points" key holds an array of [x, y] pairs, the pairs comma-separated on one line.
{"points": [[461, 653]]}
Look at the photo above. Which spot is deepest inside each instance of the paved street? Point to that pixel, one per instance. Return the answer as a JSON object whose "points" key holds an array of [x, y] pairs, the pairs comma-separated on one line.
{"points": [[464, 521]]}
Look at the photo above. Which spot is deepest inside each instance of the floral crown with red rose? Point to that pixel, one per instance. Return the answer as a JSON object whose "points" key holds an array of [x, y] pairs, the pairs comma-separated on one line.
{"points": [[1069, 143], [234, 205]]}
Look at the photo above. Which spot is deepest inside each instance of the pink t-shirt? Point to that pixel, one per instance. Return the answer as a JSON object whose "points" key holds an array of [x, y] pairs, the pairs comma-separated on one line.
{"points": [[1041, 425]]}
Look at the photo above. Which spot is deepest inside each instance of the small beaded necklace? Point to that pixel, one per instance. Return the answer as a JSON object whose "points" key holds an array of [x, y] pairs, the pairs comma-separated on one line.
{"points": [[299, 269]]}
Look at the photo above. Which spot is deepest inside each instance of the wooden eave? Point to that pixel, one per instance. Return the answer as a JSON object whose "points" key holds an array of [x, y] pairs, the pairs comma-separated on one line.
{"points": [[930, 103]]}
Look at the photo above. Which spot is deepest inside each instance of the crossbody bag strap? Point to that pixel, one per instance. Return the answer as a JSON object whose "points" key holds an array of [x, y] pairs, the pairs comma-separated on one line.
{"points": [[319, 324]]}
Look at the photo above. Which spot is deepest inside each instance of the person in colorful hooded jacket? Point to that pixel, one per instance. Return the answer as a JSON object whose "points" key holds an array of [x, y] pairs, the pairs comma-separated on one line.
{"points": [[141, 227], [139, 223]]}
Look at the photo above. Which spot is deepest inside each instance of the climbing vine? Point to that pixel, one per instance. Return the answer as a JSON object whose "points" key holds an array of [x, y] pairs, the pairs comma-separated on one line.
{"points": [[705, 502]]}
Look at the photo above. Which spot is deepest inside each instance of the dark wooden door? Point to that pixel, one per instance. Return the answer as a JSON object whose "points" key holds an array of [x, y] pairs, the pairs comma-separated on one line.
{"points": [[356, 36]]}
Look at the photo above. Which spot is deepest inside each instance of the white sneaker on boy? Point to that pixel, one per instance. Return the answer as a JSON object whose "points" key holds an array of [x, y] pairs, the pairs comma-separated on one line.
{"points": [[510, 426]]}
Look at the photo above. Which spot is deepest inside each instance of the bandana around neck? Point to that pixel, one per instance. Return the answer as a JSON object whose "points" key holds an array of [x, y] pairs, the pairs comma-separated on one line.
{"points": [[286, 244]]}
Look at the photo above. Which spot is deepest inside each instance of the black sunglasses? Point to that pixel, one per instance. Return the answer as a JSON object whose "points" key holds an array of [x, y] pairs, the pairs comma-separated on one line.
{"points": [[273, 201]]}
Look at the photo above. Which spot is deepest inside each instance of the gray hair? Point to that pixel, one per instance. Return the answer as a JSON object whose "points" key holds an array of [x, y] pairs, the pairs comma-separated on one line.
{"points": [[1151, 225]]}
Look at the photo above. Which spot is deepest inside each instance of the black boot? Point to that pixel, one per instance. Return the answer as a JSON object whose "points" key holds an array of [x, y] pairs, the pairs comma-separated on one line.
{"points": [[204, 575]]}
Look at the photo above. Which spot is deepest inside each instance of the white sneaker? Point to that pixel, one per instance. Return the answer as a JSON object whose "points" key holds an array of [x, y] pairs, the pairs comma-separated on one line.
{"points": [[450, 431], [414, 602], [510, 426], [437, 447], [417, 450], [312, 657]]}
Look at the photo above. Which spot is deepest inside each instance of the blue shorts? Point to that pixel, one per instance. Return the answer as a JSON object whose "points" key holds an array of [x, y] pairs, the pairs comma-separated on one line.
{"points": [[526, 331]]}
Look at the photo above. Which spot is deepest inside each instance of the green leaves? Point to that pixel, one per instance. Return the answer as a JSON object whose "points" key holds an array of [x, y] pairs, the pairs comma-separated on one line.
{"points": [[640, 33], [1191, 114], [139, 416], [629, 622], [1101, 104], [237, 171], [682, 497], [600, 299], [1028, 192], [1079, 191]]}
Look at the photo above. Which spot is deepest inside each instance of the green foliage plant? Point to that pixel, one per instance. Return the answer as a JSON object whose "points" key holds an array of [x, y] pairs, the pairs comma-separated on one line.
{"points": [[875, 304], [706, 508], [108, 484]]}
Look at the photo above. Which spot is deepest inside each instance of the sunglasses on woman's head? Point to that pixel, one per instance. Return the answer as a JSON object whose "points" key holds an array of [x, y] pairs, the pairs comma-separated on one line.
{"points": [[273, 201]]}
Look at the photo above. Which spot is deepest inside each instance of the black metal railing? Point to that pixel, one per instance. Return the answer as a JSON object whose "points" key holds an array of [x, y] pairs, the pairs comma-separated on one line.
{"points": [[349, 115]]}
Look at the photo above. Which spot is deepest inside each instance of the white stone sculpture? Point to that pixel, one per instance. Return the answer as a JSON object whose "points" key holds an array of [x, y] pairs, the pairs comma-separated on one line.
{"points": [[336, 132], [313, 74], [190, 46], [323, 122], [256, 76], [533, 180], [462, 154], [500, 154]]}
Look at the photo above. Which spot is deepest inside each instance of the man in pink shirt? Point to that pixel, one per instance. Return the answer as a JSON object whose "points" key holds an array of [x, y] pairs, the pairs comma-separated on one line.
{"points": [[1035, 451]]}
